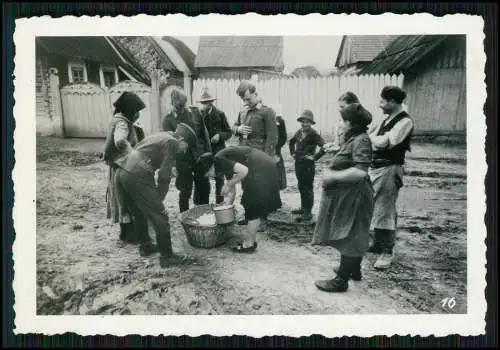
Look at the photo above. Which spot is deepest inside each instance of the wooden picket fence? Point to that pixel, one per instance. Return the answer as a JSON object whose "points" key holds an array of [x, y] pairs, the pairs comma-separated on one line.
{"points": [[320, 95]]}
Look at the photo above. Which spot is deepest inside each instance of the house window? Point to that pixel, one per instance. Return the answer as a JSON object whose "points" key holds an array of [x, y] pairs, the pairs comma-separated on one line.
{"points": [[77, 72], [109, 76]]}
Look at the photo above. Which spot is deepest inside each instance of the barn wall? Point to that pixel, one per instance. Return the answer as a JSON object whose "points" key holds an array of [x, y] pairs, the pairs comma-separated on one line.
{"points": [[436, 90]]}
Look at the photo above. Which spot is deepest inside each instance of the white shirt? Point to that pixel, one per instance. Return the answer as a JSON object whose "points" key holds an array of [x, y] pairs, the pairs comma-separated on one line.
{"points": [[394, 136]]}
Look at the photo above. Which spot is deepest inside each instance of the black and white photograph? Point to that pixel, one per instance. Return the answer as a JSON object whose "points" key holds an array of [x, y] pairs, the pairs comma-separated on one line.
{"points": [[239, 172]]}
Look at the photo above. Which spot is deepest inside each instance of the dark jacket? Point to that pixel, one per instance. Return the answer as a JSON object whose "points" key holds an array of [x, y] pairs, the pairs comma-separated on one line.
{"points": [[216, 123], [192, 117], [305, 145], [282, 135], [262, 120]]}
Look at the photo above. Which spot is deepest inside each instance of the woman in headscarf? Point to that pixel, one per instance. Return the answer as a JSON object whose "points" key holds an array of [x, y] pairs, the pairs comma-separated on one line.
{"points": [[346, 206], [258, 175], [122, 136]]}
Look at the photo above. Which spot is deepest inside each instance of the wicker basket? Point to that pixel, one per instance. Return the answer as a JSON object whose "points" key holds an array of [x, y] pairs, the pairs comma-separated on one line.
{"points": [[202, 236]]}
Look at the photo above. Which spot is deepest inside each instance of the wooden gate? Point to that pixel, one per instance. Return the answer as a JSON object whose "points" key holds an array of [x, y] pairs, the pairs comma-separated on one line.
{"points": [[88, 109]]}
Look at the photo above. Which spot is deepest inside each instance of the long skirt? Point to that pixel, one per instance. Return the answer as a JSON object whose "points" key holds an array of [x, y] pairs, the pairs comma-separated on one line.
{"points": [[386, 183], [261, 194], [116, 206], [344, 218]]}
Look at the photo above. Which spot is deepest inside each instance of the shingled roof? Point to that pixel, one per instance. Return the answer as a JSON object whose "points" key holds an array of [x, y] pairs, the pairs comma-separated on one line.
{"points": [[240, 51], [402, 53], [362, 48]]}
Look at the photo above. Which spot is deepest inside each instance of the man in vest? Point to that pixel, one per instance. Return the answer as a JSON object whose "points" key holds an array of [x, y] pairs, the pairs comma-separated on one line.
{"points": [[390, 141], [187, 171], [219, 132], [256, 127]]}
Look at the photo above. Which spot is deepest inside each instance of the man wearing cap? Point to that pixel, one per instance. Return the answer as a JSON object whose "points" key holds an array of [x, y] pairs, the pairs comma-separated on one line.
{"points": [[187, 171], [303, 148], [256, 123], [136, 182], [391, 140], [219, 132]]}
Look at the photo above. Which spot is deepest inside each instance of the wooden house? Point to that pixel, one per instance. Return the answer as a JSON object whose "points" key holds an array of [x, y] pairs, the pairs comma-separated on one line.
{"points": [[357, 51], [93, 59], [434, 69], [240, 57], [170, 58]]}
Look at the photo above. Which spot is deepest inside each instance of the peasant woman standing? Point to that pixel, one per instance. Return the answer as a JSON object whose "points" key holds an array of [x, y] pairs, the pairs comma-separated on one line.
{"points": [[346, 206], [122, 136]]}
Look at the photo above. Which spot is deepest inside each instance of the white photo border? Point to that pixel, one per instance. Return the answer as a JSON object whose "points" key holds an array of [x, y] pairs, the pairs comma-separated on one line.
{"points": [[24, 175]]}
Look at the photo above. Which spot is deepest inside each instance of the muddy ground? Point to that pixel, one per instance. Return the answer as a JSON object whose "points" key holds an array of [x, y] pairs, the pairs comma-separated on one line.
{"points": [[83, 269]]}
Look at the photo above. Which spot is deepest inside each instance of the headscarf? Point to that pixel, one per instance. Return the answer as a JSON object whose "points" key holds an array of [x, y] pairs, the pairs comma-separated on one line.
{"points": [[359, 118], [128, 104]]}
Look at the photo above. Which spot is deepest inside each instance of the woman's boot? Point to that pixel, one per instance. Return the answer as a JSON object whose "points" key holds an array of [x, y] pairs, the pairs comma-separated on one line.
{"points": [[340, 282]]}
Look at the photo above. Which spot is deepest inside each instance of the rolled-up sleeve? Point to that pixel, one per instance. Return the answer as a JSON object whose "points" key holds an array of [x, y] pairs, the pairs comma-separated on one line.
{"points": [[362, 152]]}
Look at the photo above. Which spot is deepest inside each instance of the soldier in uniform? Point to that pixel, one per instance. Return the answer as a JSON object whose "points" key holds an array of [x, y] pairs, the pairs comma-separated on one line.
{"points": [[256, 123], [256, 126], [219, 132], [187, 172]]}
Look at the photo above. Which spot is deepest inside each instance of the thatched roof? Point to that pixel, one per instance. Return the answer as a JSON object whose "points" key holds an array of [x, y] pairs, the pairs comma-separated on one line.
{"points": [[361, 48], [186, 53], [240, 52], [403, 52]]}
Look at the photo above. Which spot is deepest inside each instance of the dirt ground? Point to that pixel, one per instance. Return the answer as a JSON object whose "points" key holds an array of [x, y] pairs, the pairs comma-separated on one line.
{"points": [[83, 269]]}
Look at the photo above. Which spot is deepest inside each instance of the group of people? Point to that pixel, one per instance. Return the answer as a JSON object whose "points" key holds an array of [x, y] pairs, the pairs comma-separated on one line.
{"points": [[359, 186]]}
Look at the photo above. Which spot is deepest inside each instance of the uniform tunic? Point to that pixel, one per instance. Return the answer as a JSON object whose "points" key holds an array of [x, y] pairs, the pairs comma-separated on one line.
{"points": [[185, 164], [264, 135], [346, 209], [135, 179], [260, 187]]}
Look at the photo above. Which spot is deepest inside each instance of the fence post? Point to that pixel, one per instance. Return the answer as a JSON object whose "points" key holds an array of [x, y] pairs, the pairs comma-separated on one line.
{"points": [[55, 103], [155, 103]]}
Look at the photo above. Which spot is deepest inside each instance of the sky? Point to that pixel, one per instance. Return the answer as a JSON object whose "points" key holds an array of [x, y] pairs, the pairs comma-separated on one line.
{"points": [[318, 51]]}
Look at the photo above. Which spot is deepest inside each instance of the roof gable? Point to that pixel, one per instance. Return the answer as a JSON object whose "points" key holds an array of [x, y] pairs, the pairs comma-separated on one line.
{"points": [[361, 48], [95, 48], [404, 52], [240, 51]]}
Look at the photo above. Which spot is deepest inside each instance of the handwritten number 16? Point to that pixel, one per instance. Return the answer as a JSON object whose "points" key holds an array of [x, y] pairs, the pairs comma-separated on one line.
{"points": [[448, 302]]}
